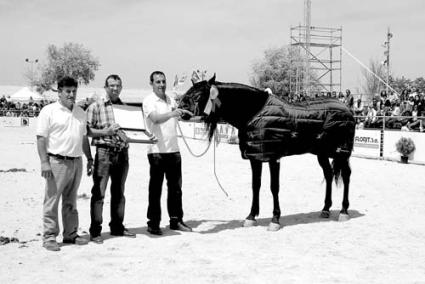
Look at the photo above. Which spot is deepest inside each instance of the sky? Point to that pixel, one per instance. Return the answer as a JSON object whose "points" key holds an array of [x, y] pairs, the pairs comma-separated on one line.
{"points": [[132, 38]]}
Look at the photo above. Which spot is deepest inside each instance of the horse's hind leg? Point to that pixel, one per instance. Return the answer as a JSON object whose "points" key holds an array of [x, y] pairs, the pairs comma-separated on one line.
{"points": [[345, 174], [256, 168], [327, 172], [274, 166]]}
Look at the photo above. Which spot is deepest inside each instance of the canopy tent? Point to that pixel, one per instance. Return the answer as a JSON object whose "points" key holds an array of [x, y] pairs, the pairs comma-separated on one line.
{"points": [[26, 95]]}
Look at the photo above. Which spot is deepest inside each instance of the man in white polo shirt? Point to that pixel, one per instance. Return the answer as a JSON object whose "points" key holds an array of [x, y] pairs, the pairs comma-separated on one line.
{"points": [[164, 156], [61, 141]]}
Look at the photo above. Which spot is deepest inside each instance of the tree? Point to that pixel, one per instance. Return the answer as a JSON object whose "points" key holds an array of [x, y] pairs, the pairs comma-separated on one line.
{"points": [[373, 85], [399, 84], [276, 69], [70, 60], [419, 83]]}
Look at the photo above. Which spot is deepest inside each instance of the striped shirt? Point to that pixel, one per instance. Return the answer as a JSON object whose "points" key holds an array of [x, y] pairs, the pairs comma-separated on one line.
{"points": [[100, 115]]}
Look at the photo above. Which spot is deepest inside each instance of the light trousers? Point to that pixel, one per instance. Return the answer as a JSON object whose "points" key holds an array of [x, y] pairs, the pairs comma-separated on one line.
{"points": [[65, 182]]}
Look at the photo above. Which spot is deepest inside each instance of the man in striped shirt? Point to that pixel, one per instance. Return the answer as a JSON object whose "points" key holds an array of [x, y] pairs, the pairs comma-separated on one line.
{"points": [[111, 161]]}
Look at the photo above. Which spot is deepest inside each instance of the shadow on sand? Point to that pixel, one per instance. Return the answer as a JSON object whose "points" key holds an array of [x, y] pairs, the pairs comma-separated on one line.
{"points": [[285, 221], [215, 226]]}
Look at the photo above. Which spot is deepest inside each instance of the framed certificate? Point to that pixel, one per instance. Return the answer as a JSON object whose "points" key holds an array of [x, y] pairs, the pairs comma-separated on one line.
{"points": [[132, 124]]}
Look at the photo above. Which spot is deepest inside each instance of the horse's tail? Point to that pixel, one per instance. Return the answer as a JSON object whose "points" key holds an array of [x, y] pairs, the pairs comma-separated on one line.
{"points": [[339, 162]]}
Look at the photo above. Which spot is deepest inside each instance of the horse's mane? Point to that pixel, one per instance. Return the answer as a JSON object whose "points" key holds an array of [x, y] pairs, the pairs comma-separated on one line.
{"points": [[213, 119], [236, 86]]}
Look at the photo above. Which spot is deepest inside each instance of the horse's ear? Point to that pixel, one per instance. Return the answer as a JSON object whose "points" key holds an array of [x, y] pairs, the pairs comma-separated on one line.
{"points": [[212, 80]]}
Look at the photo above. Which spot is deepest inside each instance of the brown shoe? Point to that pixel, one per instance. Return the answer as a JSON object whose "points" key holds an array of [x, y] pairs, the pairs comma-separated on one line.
{"points": [[76, 241], [97, 240], [51, 245], [155, 231], [125, 233]]}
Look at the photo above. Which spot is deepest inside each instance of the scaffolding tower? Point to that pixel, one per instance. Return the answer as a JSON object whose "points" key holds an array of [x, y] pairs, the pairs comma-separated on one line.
{"points": [[320, 53]]}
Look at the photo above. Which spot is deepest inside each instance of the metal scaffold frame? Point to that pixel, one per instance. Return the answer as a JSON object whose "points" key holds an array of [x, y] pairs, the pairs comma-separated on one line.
{"points": [[321, 66]]}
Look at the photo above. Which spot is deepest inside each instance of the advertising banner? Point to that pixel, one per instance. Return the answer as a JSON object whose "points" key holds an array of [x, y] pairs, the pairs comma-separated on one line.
{"points": [[12, 121], [367, 143]]}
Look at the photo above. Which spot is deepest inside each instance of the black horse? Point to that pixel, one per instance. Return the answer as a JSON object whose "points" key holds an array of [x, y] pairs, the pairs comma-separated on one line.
{"points": [[270, 128]]}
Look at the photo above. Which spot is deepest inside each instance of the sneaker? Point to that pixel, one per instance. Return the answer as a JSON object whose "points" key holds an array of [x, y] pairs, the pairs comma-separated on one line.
{"points": [[180, 226], [155, 231], [76, 241], [97, 240], [51, 245]]}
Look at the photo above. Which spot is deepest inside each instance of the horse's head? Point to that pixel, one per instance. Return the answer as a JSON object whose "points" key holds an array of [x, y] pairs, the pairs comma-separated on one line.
{"points": [[199, 97]]}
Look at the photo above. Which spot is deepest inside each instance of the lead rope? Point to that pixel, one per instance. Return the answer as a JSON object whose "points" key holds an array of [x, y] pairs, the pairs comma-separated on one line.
{"points": [[187, 145], [203, 153]]}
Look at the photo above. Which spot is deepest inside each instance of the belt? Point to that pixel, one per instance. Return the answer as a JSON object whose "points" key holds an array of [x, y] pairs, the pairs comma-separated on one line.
{"points": [[110, 148], [60, 157]]}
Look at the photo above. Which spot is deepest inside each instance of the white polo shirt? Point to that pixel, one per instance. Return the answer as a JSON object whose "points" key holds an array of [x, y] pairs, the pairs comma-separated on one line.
{"points": [[63, 129], [165, 132]]}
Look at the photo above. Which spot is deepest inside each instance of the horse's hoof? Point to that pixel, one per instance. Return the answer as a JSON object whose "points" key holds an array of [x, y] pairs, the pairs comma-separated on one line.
{"points": [[325, 214], [249, 223], [343, 217], [273, 227]]}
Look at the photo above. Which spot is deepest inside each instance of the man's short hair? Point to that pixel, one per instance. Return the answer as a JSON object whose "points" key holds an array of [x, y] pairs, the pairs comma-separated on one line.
{"points": [[67, 81], [156, 73], [114, 77]]}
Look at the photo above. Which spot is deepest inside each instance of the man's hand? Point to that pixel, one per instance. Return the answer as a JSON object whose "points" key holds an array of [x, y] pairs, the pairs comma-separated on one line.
{"points": [[179, 112], [90, 167], [46, 170], [122, 135], [111, 130]]}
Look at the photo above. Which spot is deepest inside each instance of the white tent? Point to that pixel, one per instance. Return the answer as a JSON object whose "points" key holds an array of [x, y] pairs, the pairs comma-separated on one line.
{"points": [[25, 95]]}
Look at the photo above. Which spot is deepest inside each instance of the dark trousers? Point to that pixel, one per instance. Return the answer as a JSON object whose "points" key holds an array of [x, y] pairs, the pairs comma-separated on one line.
{"points": [[168, 164], [107, 164]]}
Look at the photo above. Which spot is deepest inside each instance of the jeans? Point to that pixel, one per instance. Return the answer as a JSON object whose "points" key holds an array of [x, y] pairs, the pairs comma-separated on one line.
{"points": [[65, 182], [107, 164], [168, 164]]}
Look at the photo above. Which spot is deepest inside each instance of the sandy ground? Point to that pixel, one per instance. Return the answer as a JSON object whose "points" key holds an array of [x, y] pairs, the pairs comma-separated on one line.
{"points": [[383, 242]]}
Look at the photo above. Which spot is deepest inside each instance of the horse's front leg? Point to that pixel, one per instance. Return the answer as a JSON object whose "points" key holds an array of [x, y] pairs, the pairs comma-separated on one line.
{"points": [[274, 166], [256, 168]]}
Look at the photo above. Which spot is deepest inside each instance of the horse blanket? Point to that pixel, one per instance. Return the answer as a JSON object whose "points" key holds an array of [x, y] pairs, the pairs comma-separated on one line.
{"points": [[317, 126]]}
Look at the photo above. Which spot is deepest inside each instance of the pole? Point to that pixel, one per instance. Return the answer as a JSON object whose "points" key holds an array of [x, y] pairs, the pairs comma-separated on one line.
{"points": [[32, 62], [389, 36], [307, 23], [368, 70]]}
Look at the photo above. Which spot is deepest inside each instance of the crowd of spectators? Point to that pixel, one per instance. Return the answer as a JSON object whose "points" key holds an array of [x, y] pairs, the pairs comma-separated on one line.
{"points": [[404, 111], [29, 109], [20, 109]]}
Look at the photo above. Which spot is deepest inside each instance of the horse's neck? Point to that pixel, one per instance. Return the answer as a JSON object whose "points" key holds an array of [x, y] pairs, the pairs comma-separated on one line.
{"points": [[240, 103]]}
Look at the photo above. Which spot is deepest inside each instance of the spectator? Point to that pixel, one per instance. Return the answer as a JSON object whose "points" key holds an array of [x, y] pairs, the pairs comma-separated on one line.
{"points": [[358, 107], [349, 99], [370, 117], [386, 102], [393, 96]]}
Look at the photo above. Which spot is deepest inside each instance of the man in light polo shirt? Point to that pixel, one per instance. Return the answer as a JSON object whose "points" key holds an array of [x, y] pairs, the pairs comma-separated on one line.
{"points": [[164, 156], [61, 141]]}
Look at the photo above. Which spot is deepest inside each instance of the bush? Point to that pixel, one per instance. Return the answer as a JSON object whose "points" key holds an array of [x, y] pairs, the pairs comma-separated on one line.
{"points": [[405, 146]]}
